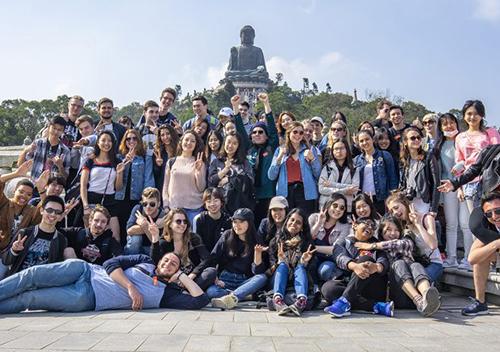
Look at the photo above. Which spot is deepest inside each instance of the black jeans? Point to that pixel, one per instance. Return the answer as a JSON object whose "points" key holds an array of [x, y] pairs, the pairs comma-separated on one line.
{"points": [[206, 278], [296, 199], [402, 271], [361, 294]]}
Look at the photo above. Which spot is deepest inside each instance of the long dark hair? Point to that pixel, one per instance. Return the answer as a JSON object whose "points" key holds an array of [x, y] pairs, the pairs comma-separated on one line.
{"points": [[208, 151], [241, 155], [112, 151], [272, 227], [305, 233], [365, 198], [440, 137], [386, 219], [348, 158], [479, 106], [199, 122], [251, 239], [393, 150], [332, 199], [405, 152], [174, 141]]}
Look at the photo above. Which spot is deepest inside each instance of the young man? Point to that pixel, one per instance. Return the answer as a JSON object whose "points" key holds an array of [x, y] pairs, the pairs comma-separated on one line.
{"points": [[382, 119], [200, 108], [39, 244], [84, 148], [49, 153], [105, 109], [123, 282], [212, 223], [485, 225], [54, 187], [149, 128], [318, 125], [138, 234], [96, 244], [398, 126], [244, 110]]}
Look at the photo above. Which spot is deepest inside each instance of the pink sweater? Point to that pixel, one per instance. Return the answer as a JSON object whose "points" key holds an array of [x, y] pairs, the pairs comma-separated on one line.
{"points": [[184, 186], [469, 145]]}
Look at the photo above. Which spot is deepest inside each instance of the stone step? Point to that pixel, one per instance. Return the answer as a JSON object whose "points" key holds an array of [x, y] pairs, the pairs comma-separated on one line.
{"points": [[461, 282]]}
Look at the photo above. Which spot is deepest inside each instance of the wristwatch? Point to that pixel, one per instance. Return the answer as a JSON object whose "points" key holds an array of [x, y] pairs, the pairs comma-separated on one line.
{"points": [[374, 246]]}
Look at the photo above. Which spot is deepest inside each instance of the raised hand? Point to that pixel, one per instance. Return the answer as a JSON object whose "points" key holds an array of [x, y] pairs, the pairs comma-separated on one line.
{"points": [[154, 127], [177, 126], [158, 159], [24, 168], [141, 220], [153, 230], [322, 216], [309, 154], [228, 163], [446, 186], [260, 248], [281, 251], [79, 144], [18, 245], [414, 216], [352, 190], [42, 181], [198, 164], [70, 206], [235, 100], [263, 97], [307, 255]]}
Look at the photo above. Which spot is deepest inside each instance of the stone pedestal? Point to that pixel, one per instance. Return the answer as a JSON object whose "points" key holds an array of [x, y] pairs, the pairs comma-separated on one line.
{"points": [[250, 90]]}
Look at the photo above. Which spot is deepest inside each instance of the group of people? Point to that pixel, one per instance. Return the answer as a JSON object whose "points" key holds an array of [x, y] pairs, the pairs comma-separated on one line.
{"points": [[226, 208]]}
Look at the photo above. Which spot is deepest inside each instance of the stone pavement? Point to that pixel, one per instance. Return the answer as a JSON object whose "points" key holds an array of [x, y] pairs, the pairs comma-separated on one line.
{"points": [[249, 329]]}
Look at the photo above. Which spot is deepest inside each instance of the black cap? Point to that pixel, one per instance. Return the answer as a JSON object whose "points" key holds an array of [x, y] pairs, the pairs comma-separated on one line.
{"points": [[243, 214]]}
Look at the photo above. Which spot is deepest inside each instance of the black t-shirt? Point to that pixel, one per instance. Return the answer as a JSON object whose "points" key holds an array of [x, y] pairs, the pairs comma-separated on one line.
{"points": [[70, 134], [38, 253], [211, 230]]}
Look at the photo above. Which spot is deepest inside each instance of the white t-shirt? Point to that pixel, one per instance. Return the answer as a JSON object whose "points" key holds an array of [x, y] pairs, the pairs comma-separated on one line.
{"points": [[368, 183]]}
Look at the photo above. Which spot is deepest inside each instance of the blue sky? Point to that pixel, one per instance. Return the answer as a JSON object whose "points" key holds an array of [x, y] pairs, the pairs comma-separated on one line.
{"points": [[439, 53]]}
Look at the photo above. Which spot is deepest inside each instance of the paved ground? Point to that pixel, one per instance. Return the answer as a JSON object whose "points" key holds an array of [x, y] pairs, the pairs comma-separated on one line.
{"points": [[248, 329]]}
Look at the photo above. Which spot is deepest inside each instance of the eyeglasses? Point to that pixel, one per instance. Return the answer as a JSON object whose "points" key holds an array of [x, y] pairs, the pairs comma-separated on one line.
{"points": [[181, 221], [489, 213], [76, 106], [151, 204], [430, 122], [128, 139], [333, 129], [369, 224], [339, 149], [55, 211], [414, 138], [258, 132], [338, 206], [298, 132]]}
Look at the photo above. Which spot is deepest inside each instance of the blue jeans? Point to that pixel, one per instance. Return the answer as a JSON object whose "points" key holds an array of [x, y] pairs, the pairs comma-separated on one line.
{"points": [[281, 278], [434, 271], [238, 284], [63, 286], [191, 213], [325, 270], [134, 246]]}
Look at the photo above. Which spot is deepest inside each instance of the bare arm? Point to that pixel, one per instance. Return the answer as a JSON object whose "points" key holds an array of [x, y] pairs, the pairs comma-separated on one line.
{"points": [[480, 252]]}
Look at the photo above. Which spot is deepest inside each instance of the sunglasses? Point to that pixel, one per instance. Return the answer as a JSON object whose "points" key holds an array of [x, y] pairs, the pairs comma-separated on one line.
{"points": [[430, 122], [258, 132], [414, 138], [489, 213], [128, 139], [151, 204], [333, 129], [298, 132], [337, 206], [53, 211], [183, 221]]}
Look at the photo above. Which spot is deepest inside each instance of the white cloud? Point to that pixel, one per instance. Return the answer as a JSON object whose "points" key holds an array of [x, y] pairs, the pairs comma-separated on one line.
{"points": [[309, 8], [488, 10]]}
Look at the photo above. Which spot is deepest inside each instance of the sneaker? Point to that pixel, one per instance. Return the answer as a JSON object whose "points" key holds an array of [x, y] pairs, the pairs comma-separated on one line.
{"points": [[280, 305], [384, 308], [340, 308], [450, 262], [431, 301], [225, 302], [299, 306], [464, 265], [476, 308]]}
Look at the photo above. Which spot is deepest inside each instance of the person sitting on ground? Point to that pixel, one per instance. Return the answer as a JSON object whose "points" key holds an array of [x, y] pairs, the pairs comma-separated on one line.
{"points": [[94, 244], [278, 209], [123, 282]]}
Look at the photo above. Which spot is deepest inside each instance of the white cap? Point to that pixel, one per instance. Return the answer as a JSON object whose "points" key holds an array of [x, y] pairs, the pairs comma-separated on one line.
{"points": [[318, 119], [226, 112]]}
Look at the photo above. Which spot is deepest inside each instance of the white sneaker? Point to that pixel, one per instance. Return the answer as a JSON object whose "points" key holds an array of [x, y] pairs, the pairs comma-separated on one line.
{"points": [[450, 262], [225, 302], [464, 265]]}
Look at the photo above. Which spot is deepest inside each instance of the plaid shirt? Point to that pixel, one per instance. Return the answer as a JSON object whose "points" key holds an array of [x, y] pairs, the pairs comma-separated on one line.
{"points": [[399, 249], [40, 157]]}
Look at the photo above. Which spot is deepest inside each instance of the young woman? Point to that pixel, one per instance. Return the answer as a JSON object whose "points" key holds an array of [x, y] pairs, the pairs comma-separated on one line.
{"points": [[242, 261], [284, 121], [455, 206], [297, 169], [233, 173], [408, 277], [338, 174], [138, 174], [419, 173], [430, 127], [178, 238], [185, 176], [424, 228], [383, 141], [215, 142], [290, 252], [362, 283], [229, 128], [166, 144], [202, 128], [339, 116], [338, 130], [327, 227], [308, 134], [99, 179], [377, 173], [278, 209]]}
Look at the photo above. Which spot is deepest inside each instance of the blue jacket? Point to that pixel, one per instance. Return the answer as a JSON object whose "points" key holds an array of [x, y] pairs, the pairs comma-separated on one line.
{"points": [[142, 177], [310, 174], [384, 173]]}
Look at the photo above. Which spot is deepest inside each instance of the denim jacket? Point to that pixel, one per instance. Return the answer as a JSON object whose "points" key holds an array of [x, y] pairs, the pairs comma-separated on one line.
{"points": [[310, 174], [384, 173], [142, 177]]}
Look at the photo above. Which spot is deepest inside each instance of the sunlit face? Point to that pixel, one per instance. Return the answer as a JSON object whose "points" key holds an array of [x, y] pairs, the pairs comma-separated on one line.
{"points": [[286, 120], [317, 127], [338, 117], [75, 107], [150, 205], [165, 136], [56, 131], [105, 142], [489, 208], [384, 112], [224, 119], [201, 128], [396, 116], [472, 117], [448, 125], [278, 215], [22, 195], [98, 224], [168, 265], [243, 112], [106, 111], [367, 127], [308, 131], [213, 143], [259, 136], [297, 135], [362, 209], [413, 140], [54, 189], [339, 151], [364, 231], [179, 223], [294, 224], [337, 209], [398, 210], [365, 141], [429, 125], [384, 142], [391, 232], [213, 205], [49, 217], [131, 141], [188, 143], [152, 113], [337, 131], [240, 227], [199, 109], [166, 101], [85, 129], [231, 145], [229, 128]]}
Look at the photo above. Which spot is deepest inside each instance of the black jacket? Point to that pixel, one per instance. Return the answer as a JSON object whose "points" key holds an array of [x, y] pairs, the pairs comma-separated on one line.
{"points": [[427, 181], [487, 164], [208, 234], [482, 228], [56, 249]]}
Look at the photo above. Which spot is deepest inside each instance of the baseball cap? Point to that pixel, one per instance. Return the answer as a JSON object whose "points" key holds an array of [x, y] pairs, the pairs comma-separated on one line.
{"points": [[318, 119], [226, 112], [278, 202], [243, 214]]}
